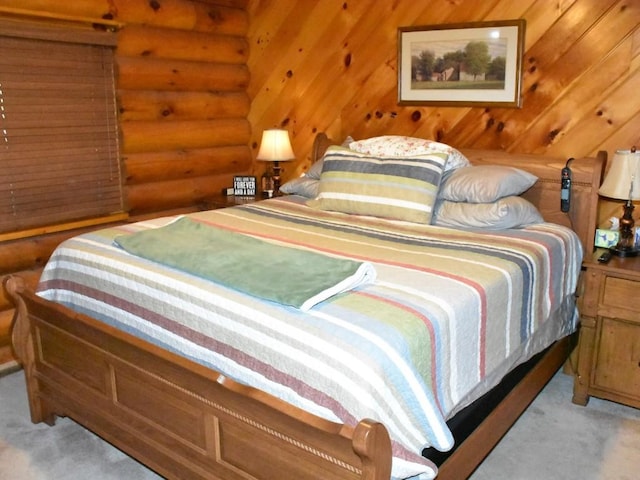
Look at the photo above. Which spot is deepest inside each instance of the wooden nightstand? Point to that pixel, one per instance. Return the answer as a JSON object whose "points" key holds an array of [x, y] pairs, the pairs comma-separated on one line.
{"points": [[609, 346], [212, 202], [224, 201]]}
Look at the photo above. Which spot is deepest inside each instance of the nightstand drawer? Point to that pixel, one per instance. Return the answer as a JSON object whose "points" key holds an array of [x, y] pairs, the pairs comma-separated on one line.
{"points": [[618, 358], [620, 292], [608, 357]]}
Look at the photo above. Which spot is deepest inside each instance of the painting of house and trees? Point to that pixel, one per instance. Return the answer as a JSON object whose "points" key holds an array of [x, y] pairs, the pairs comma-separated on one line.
{"points": [[459, 64]]}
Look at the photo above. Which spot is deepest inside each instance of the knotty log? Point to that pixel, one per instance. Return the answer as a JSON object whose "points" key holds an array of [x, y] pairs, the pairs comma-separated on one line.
{"points": [[159, 196], [155, 42], [160, 136], [183, 14], [33, 252], [179, 164], [160, 74], [166, 105], [6, 324], [6, 317], [29, 253], [77, 8], [227, 17], [222, 20]]}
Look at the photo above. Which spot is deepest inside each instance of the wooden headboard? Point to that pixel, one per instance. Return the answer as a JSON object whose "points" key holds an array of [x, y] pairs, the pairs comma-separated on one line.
{"points": [[545, 194]]}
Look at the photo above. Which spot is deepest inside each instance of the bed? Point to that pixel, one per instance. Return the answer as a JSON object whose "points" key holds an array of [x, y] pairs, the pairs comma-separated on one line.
{"points": [[138, 357]]}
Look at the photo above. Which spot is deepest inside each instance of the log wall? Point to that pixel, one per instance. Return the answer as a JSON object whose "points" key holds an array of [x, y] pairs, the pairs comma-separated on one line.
{"points": [[183, 105]]}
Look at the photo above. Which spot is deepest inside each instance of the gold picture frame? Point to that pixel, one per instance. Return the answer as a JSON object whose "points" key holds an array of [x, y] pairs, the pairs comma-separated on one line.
{"points": [[464, 64]]}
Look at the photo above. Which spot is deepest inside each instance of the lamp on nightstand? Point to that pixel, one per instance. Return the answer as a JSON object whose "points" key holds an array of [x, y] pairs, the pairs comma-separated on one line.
{"points": [[275, 147], [622, 182]]}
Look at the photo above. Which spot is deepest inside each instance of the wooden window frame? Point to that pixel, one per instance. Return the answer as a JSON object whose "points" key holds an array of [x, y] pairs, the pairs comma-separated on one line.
{"points": [[46, 139]]}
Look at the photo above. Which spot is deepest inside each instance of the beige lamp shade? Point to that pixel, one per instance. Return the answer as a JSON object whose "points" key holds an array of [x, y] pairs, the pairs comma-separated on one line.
{"points": [[275, 146], [623, 178]]}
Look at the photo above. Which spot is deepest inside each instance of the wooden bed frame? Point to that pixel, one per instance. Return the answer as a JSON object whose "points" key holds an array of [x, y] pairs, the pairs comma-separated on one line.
{"points": [[186, 421]]}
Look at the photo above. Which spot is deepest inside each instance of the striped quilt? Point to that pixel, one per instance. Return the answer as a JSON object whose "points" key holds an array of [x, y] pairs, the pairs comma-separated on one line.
{"points": [[451, 311]]}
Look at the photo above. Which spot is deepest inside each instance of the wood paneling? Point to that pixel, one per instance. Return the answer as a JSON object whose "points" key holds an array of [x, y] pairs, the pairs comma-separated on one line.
{"points": [[331, 65]]}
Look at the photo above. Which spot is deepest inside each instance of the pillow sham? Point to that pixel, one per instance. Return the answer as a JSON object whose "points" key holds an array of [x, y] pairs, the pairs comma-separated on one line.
{"points": [[305, 186], [398, 145], [484, 183], [399, 188], [507, 212]]}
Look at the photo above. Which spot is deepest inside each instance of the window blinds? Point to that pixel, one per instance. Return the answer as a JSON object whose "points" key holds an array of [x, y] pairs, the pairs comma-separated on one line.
{"points": [[59, 159]]}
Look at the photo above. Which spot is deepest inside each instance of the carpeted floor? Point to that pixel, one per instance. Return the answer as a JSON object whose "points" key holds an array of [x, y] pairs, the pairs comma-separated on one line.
{"points": [[554, 439], [66, 451], [557, 440]]}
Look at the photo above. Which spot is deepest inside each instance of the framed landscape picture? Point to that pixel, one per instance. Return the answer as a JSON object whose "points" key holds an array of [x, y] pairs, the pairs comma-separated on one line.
{"points": [[466, 64]]}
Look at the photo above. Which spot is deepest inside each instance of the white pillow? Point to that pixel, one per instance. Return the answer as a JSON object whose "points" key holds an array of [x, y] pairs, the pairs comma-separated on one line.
{"points": [[484, 183], [507, 212], [401, 146]]}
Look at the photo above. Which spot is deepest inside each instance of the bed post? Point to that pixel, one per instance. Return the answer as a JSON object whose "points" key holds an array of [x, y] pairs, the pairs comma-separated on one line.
{"points": [[372, 444], [320, 144], [22, 340]]}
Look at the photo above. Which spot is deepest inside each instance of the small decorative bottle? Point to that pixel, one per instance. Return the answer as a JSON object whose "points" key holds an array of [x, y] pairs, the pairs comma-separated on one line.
{"points": [[267, 184]]}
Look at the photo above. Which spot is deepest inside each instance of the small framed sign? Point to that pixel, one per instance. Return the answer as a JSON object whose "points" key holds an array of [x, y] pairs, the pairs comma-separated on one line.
{"points": [[244, 186]]}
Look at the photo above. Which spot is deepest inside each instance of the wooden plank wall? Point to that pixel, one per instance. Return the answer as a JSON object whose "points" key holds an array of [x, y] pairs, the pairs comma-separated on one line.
{"points": [[331, 65], [182, 94]]}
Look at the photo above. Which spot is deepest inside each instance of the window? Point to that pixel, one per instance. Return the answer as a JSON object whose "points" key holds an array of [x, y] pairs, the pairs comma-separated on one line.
{"points": [[59, 158]]}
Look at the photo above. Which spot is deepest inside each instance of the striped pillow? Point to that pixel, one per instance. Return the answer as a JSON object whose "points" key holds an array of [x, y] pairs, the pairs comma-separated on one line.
{"points": [[400, 188]]}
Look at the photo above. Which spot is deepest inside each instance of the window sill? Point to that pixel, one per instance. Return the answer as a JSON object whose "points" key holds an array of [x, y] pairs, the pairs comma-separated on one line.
{"points": [[34, 232]]}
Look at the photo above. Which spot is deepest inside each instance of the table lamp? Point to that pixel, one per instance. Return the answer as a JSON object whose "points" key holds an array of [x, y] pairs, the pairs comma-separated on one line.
{"points": [[275, 147], [622, 182]]}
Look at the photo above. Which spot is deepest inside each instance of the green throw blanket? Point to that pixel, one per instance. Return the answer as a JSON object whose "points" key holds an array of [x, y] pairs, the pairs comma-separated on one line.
{"points": [[285, 275]]}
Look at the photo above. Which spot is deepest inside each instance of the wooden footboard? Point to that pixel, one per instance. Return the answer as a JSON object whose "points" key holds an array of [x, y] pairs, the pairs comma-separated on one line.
{"points": [[175, 416], [186, 421]]}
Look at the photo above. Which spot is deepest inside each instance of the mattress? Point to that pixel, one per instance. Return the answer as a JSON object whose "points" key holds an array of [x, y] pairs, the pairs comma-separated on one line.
{"points": [[450, 312]]}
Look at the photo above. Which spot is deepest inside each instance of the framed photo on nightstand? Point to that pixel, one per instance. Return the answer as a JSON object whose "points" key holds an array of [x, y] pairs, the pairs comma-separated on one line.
{"points": [[244, 186]]}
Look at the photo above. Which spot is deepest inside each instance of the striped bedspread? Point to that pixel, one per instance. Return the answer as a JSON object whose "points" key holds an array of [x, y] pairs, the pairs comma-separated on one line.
{"points": [[450, 312]]}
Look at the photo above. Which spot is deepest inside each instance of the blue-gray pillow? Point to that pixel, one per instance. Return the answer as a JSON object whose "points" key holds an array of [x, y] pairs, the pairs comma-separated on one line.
{"points": [[484, 183], [507, 212], [305, 186]]}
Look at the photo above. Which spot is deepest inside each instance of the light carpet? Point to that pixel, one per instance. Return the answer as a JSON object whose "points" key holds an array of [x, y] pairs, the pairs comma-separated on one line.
{"points": [[554, 439]]}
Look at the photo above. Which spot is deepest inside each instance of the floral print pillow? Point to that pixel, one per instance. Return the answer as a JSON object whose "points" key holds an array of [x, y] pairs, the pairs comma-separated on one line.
{"points": [[401, 146]]}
